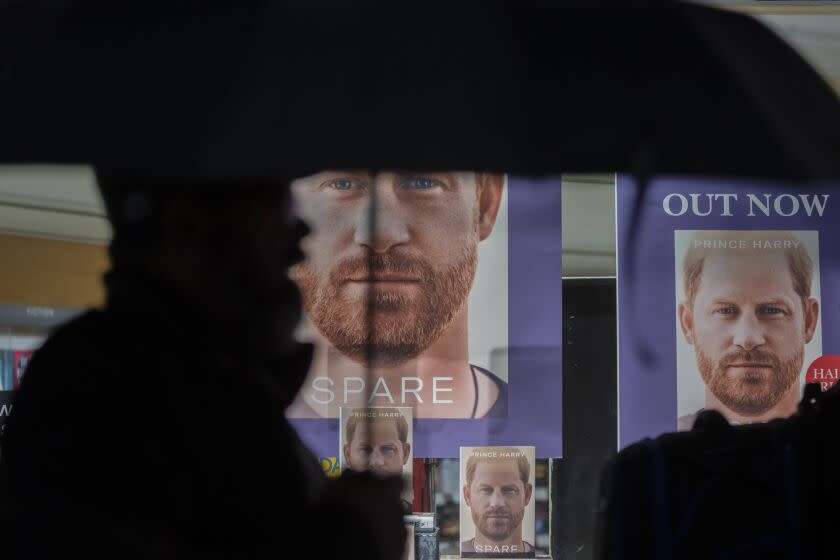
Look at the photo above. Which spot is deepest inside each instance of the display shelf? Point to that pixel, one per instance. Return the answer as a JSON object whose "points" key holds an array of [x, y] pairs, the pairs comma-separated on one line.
{"points": [[35, 316]]}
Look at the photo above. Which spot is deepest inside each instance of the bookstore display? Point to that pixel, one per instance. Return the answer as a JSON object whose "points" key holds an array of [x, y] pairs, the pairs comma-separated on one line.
{"points": [[462, 268], [493, 386], [17, 345]]}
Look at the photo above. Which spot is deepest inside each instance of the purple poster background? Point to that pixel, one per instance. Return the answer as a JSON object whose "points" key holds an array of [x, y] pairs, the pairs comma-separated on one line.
{"points": [[647, 369], [535, 326]]}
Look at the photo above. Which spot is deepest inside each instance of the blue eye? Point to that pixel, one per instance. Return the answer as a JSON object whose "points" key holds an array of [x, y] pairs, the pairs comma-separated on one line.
{"points": [[341, 184], [727, 311], [421, 183], [771, 310]]}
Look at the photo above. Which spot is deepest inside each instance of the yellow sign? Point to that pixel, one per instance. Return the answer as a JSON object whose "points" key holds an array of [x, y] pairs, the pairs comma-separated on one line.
{"points": [[330, 466]]}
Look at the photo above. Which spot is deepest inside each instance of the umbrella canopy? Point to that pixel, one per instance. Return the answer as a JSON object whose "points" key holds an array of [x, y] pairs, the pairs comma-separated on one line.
{"points": [[263, 88]]}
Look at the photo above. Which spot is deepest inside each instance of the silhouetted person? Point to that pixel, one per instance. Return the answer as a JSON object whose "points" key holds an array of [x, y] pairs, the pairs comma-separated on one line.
{"points": [[754, 491], [155, 428]]}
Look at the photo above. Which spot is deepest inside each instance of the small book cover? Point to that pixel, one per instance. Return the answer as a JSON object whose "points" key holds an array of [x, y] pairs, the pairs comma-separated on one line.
{"points": [[378, 439], [5, 371], [497, 502], [21, 360]]}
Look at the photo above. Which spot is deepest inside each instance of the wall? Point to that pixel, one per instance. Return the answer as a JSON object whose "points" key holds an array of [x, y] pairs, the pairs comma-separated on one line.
{"points": [[51, 273]]}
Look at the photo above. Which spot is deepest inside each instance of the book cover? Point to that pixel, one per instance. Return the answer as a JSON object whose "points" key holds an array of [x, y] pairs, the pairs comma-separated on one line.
{"points": [[5, 371], [21, 360], [497, 502], [378, 439], [745, 329]]}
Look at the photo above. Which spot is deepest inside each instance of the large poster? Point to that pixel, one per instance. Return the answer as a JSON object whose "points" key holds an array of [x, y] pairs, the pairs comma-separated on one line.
{"points": [[725, 289], [464, 271]]}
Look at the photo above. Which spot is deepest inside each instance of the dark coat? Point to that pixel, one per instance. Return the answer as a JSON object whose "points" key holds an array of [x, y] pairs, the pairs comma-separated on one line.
{"points": [[763, 491], [134, 437]]}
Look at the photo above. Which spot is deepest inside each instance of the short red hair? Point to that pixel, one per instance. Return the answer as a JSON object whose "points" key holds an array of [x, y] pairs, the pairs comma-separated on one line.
{"points": [[799, 262], [503, 454]]}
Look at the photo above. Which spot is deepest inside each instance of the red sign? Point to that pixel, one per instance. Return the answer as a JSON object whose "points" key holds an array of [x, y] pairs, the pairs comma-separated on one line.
{"points": [[825, 370]]}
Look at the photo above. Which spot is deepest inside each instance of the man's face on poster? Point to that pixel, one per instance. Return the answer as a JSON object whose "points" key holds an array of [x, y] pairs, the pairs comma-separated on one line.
{"points": [[423, 254], [377, 449], [749, 328], [497, 498]]}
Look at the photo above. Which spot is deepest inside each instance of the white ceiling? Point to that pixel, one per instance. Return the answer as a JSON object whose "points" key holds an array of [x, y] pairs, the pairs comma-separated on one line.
{"points": [[812, 28], [52, 201], [589, 225], [816, 37], [62, 202]]}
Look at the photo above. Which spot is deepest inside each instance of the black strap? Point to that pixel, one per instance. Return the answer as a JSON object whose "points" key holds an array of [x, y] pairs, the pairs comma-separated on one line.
{"points": [[475, 386]]}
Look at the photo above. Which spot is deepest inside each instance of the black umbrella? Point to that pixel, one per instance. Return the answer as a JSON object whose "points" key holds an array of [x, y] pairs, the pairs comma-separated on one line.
{"points": [[272, 87]]}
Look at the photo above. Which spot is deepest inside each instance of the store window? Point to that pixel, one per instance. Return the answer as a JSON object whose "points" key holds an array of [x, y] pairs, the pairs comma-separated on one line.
{"points": [[437, 298], [464, 317], [495, 338]]}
